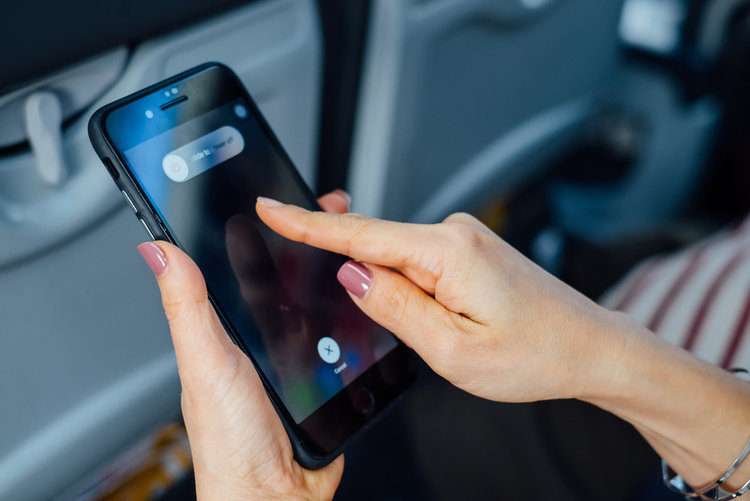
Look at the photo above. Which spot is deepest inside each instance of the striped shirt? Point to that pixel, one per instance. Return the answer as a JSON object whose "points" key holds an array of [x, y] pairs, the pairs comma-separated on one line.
{"points": [[698, 298]]}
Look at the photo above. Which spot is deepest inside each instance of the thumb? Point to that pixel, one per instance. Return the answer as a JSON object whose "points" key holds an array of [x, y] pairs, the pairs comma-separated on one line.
{"points": [[200, 341], [399, 305]]}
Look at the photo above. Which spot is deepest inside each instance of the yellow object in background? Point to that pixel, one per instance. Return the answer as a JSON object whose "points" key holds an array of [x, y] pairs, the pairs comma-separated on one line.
{"points": [[495, 214], [145, 472]]}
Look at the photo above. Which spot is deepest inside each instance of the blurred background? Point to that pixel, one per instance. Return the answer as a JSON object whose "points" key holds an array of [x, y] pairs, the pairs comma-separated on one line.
{"points": [[590, 134]]}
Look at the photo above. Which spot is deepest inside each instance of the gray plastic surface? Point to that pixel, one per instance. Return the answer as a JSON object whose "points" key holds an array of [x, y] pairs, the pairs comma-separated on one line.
{"points": [[79, 377], [449, 84], [76, 87], [667, 171], [275, 49], [80, 380], [506, 163]]}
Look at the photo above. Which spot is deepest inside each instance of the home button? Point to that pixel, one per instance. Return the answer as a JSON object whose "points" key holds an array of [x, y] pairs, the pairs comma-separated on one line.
{"points": [[363, 401]]}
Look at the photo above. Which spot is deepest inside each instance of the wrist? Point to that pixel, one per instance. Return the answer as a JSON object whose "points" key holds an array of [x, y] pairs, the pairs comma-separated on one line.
{"points": [[618, 349], [695, 415], [605, 365]]}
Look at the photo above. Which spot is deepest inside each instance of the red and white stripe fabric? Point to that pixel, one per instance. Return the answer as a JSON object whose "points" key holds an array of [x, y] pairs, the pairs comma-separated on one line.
{"points": [[698, 298]]}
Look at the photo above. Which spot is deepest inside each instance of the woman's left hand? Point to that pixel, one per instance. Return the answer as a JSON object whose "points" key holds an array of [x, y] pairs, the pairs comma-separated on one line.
{"points": [[239, 446]]}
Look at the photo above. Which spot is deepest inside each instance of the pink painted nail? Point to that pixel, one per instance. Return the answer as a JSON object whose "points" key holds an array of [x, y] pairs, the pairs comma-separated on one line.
{"points": [[355, 278], [269, 202], [154, 257], [344, 196]]}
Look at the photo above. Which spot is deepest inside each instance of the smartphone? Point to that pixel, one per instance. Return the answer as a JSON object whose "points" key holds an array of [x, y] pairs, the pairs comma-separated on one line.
{"points": [[190, 155]]}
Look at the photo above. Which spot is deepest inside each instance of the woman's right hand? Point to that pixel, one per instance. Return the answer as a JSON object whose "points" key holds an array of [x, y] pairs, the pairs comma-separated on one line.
{"points": [[479, 313], [498, 326]]}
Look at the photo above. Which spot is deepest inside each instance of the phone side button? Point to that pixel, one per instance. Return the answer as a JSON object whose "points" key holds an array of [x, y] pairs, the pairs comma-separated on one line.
{"points": [[147, 229], [130, 202], [363, 401]]}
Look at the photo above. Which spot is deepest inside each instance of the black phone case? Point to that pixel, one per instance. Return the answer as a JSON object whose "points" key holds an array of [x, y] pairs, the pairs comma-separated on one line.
{"points": [[125, 183]]}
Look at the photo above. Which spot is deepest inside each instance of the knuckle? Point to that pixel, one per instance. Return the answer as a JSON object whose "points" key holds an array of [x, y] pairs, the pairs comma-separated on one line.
{"points": [[356, 228], [391, 306], [465, 239], [183, 308], [460, 218], [301, 232], [355, 222]]}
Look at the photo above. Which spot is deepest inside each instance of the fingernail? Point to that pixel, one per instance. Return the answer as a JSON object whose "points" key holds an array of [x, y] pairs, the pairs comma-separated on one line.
{"points": [[355, 278], [269, 202], [344, 196], [154, 257]]}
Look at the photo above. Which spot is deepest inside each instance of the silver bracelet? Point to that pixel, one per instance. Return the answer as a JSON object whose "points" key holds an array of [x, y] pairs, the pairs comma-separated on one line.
{"points": [[713, 492]]}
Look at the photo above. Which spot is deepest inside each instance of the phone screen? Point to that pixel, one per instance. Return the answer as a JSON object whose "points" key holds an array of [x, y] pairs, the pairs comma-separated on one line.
{"points": [[202, 175]]}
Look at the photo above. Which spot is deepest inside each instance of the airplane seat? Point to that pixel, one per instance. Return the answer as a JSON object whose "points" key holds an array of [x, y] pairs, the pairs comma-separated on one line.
{"points": [[465, 100]]}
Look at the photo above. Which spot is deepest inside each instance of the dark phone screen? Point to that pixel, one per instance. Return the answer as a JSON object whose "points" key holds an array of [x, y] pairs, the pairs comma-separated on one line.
{"points": [[203, 176]]}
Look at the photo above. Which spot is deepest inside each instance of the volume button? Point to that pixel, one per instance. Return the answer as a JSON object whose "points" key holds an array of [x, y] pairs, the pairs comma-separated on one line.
{"points": [[130, 202], [147, 229]]}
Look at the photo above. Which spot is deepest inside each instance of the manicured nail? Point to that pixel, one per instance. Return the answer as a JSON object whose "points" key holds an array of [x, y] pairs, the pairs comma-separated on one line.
{"points": [[344, 196], [154, 257], [355, 278], [269, 202]]}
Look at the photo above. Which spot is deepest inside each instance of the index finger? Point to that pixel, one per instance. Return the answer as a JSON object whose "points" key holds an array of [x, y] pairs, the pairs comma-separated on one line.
{"points": [[362, 238]]}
